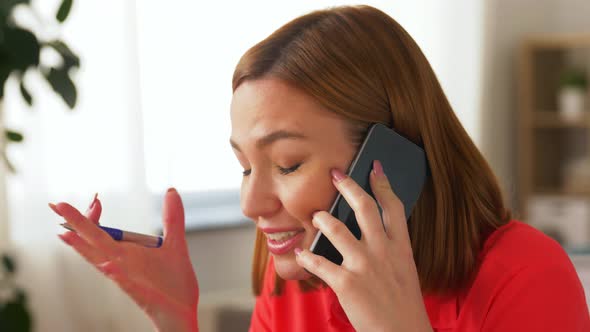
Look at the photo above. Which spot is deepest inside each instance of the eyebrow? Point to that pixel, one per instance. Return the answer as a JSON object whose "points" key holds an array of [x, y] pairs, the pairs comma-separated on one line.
{"points": [[268, 139]]}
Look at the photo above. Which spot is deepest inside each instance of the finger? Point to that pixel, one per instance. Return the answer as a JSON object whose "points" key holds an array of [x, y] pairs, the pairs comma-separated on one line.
{"points": [[394, 217], [338, 234], [90, 254], [320, 267], [85, 229], [173, 219], [94, 210], [364, 206]]}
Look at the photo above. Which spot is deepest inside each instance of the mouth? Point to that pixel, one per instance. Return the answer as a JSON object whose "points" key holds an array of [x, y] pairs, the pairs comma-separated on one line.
{"points": [[280, 243]]}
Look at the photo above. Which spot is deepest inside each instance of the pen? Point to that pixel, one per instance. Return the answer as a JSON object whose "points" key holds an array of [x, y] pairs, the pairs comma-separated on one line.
{"points": [[121, 235]]}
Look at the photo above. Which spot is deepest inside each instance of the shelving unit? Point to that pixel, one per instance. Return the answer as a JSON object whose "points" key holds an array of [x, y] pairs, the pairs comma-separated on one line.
{"points": [[547, 141]]}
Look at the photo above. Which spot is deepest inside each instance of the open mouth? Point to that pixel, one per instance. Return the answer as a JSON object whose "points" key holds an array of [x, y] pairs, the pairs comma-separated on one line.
{"points": [[283, 242]]}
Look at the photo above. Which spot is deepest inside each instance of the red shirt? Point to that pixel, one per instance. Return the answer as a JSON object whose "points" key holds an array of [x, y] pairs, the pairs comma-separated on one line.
{"points": [[526, 282]]}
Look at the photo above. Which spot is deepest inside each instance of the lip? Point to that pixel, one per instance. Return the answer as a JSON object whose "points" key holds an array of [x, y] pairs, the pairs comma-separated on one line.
{"points": [[277, 248]]}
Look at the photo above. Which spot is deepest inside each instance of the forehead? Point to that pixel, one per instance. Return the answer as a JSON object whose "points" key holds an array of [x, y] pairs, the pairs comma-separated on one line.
{"points": [[265, 105]]}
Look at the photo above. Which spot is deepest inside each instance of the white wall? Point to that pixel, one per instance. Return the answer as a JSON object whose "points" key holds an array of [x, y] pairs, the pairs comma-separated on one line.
{"points": [[222, 257], [222, 260]]}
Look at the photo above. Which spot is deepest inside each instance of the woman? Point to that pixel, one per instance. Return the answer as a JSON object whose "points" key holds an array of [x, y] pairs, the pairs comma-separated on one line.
{"points": [[302, 101]]}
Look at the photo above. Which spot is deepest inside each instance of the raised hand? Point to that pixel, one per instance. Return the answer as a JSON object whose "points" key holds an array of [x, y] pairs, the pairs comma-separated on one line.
{"points": [[160, 280]]}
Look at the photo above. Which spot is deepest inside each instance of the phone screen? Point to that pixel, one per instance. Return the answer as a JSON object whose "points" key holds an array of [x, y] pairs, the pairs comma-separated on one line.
{"points": [[405, 166]]}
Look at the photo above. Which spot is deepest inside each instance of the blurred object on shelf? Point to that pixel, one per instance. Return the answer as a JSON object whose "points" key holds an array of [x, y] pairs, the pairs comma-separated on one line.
{"points": [[572, 94], [566, 219], [576, 176]]}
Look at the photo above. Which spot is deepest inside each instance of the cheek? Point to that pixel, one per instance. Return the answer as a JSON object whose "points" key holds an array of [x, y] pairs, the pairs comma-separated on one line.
{"points": [[308, 194]]}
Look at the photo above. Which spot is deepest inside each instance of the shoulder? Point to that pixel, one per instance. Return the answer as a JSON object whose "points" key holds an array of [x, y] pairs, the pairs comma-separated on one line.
{"points": [[518, 251], [527, 280], [519, 246]]}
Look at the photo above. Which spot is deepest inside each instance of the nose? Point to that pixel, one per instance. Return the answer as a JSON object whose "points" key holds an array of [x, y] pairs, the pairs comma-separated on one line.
{"points": [[257, 197]]}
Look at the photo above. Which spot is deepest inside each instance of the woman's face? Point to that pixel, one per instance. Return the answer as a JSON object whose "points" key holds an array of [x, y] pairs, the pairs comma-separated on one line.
{"points": [[287, 143]]}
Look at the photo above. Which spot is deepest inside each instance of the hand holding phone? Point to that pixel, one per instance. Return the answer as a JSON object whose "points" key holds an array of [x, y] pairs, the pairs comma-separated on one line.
{"points": [[406, 167]]}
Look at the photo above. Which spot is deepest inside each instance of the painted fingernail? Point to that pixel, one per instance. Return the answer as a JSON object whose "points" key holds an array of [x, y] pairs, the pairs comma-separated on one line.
{"points": [[337, 175], [54, 208], [93, 202], [171, 190], [107, 268], [64, 238], [297, 251], [378, 168]]}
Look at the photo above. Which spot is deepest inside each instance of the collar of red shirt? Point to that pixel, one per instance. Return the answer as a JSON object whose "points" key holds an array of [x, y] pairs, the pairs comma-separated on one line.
{"points": [[442, 310]]}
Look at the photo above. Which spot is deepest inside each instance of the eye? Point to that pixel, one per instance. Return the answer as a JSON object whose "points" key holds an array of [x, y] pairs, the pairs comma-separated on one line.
{"points": [[291, 169]]}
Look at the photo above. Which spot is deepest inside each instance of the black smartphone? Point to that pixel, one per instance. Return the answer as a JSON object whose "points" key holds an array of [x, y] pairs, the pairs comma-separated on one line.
{"points": [[405, 166]]}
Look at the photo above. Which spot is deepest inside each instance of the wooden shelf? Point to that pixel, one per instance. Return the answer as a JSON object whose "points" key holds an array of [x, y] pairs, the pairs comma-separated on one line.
{"points": [[559, 41], [547, 141], [552, 119], [560, 192]]}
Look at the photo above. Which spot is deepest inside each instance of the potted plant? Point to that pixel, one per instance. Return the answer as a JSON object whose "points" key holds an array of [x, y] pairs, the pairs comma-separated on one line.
{"points": [[20, 51], [572, 94]]}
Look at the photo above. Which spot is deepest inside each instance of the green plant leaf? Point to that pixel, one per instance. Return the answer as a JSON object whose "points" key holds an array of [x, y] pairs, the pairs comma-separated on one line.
{"points": [[13, 136], [21, 296], [25, 93], [9, 4], [61, 83], [64, 10], [14, 316], [6, 8], [574, 77], [19, 50], [3, 77], [8, 264], [69, 57]]}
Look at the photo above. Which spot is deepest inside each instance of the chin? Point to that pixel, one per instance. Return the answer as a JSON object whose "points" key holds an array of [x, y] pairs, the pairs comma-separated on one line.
{"points": [[288, 269]]}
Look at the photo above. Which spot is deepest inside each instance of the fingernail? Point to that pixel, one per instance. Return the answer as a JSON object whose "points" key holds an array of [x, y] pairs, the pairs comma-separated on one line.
{"points": [[315, 213], [105, 267], [297, 251], [171, 190], [54, 208], [64, 238], [108, 268], [314, 220], [337, 175], [378, 168], [93, 202]]}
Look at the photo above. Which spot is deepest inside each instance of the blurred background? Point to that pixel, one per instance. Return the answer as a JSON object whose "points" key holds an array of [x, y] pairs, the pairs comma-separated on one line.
{"points": [[127, 98]]}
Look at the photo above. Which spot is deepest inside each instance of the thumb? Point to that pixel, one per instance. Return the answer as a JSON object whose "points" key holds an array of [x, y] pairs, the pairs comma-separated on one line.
{"points": [[94, 210], [173, 219]]}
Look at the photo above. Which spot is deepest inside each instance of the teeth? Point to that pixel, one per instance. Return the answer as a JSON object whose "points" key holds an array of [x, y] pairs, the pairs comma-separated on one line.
{"points": [[281, 236]]}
